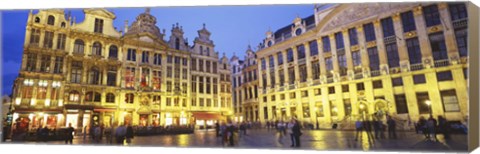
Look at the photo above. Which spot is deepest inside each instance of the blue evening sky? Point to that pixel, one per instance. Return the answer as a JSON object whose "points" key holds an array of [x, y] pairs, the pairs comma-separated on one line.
{"points": [[232, 28]]}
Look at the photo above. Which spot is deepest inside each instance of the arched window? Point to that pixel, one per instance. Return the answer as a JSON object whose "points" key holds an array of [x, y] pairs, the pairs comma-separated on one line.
{"points": [[74, 96], [78, 46], [63, 24], [177, 44], [94, 75], [208, 51], [129, 97], [93, 96], [37, 20], [51, 20], [113, 52], [110, 98], [97, 49]]}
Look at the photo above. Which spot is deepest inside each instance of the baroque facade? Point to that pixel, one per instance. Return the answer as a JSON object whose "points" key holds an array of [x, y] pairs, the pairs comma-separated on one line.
{"points": [[90, 73], [364, 61]]}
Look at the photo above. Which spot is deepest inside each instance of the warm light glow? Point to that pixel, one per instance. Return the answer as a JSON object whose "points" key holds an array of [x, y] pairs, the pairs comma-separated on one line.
{"points": [[47, 102], [30, 116], [15, 116], [18, 101], [335, 109], [33, 102], [362, 106], [40, 113], [428, 102], [59, 116], [60, 102]]}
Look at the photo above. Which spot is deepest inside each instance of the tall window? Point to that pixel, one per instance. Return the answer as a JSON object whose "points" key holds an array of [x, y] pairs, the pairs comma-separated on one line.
{"points": [[51, 20], [200, 85], [357, 58], [291, 75], [31, 62], [408, 21], [315, 70], [326, 44], [422, 97], [61, 39], [214, 67], [401, 104], [35, 37], [352, 34], [339, 40], [110, 98], [58, 68], [392, 55], [264, 64], [215, 86], [281, 76], [129, 97], [169, 86], [185, 61], [303, 73], [193, 64], [461, 36], [169, 59], [130, 77], [458, 11], [208, 87], [272, 78], [78, 46], [98, 26], [301, 51], [156, 80], [113, 52], [184, 74], [271, 61], [200, 65], [387, 27], [313, 48], [444, 76], [369, 32], [373, 58], [169, 72], [74, 96], [76, 72], [431, 15], [177, 73], [280, 58], [48, 40], [145, 78], [145, 56], [329, 65], [439, 49], [342, 63], [94, 75], [194, 84], [289, 55], [177, 43], [132, 55], [93, 96], [45, 63], [207, 66], [97, 49], [414, 53], [450, 101], [419, 79], [112, 76]]}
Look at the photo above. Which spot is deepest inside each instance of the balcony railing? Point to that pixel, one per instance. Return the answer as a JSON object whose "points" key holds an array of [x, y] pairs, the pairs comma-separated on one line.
{"points": [[395, 70], [358, 76], [460, 23], [281, 88], [390, 39], [292, 86], [415, 67], [316, 82], [303, 84], [264, 91], [375, 73], [442, 63], [330, 80]]}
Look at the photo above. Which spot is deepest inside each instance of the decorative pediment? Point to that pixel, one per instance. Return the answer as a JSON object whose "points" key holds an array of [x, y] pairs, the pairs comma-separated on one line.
{"points": [[146, 39], [100, 12]]}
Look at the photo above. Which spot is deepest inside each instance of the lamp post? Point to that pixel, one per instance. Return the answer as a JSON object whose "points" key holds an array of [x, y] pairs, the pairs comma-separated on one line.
{"points": [[429, 106], [362, 111]]}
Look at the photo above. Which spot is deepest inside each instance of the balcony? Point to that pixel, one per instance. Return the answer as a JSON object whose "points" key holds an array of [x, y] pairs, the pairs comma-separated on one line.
{"points": [[282, 88], [461, 23], [389, 39], [264, 91], [358, 76], [292, 86], [375, 73], [441, 63], [416, 67], [395, 70], [330, 80], [303, 84], [316, 82]]}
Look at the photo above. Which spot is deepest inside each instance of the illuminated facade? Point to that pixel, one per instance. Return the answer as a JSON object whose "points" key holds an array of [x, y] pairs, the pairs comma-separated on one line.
{"points": [[348, 61], [90, 73]]}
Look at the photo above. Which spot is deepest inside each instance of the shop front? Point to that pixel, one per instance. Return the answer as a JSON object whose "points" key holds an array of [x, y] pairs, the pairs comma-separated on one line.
{"points": [[207, 120]]}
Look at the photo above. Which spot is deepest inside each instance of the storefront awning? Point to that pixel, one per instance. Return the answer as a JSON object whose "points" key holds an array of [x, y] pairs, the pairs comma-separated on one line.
{"points": [[206, 115]]}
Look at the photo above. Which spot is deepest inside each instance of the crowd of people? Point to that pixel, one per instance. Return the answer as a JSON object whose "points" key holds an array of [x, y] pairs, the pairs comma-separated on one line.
{"points": [[430, 127], [378, 128]]}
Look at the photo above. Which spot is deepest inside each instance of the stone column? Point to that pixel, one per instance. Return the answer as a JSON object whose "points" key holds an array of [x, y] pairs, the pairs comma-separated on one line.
{"points": [[382, 55], [461, 91], [277, 75], [333, 50], [285, 67], [411, 98], [295, 62], [422, 34], [326, 106], [52, 64], [363, 47], [307, 61], [348, 52], [448, 30], [401, 45]]}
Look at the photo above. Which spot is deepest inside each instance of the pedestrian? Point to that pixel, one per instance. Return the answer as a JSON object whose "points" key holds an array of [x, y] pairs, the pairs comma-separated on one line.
{"points": [[97, 131], [391, 124], [296, 132], [268, 125], [69, 134], [359, 128], [230, 133], [129, 134], [431, 124], [376, 128], [243, 128], [422, 126], [443, 127], [367, 127], [108, 134], [280, 131], [120, 133], [289, 128], [217, 129]]}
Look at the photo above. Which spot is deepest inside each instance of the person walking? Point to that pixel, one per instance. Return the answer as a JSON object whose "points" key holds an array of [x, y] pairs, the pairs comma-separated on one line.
{"points": [[97, 132], [422, 126], [280, 131], [129, 134], [431, 124], [217, 129], [359, 128], [69, 134], [289, 128], [230, 133], [391, 124], [120, 133], [296, 132], [443, 127], [108, 134], [376, 128]]}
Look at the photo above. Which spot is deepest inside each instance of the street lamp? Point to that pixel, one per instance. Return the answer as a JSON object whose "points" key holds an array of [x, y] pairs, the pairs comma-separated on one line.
{"points": [[429, 106], [362, 111]]}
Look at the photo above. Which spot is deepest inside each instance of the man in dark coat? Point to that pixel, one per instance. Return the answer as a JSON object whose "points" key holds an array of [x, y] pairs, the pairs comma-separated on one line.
{"points": [[391, 124], [69, 134], [296, 133], [129, 134]]}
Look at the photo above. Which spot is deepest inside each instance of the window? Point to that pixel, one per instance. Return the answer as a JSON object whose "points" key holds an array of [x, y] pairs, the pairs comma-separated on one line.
{"points": [[74, 96], [326, 44], [76, 72], [41, 92], [419, 79], [289, 55], [271, 61], [347, 106], [408, 21], [315, 70], [58, 68], [333, 108], [194, 64], [177, 73], [280, 58], [292, 95], [200, 85], [360, 86], [373, 58], [194, 84], [200, 65], [392, 55], [194, 102], [414, 53], [313, 48], [306, 110], [329, 64], [209, 102], [94, 75], [61, 39], [112, 76], [444, 76], [422, 97], [45, 63], [450, 101], [168, 101], [110, 98], [129, 97], [207, 65], [169, 72], [319, 111], [48, 40], [145, 57], [31, 62], [177, 43], [291, 75], [272, 79], [129, 77], [51, 20], [177, 60], [208, 51], [298, 31], [431, 15], [113, 52], [208, 87], [97, 49], [457, 11], [352, 34], [35, 37], [265, 99], [272, 98], [145, 77], [93, 97], [387, 27], [214, 67], [369, 32], [202, 103], [305, 93], [54, 93], [331, 90], [169, 86], [184, 73], [131, 55], [37, 20], [357, 58], [301, 51], [345, 88], [282, 96], [98, 26], [465, 73], [78, 46], [185, 62], [342, 62], [462, 39], [184, 88], [339, 40], [318, 91], [401, 104], [281, 76], [303, 73], [439, 49], [63, 25], [397, 81], [377, 84], [169, 59]]}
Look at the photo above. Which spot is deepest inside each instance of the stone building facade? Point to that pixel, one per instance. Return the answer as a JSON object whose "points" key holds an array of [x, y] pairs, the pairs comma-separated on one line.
{"points": [[364, 61], [90, 73]]}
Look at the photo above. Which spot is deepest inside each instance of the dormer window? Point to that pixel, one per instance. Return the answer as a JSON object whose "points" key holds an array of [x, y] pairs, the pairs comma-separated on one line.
{"points": [[37, 20], [63, 25], [298, 31], [208, 51], [51, 20], [177, 43], [269, 43], [98, 26], [201, 50]]}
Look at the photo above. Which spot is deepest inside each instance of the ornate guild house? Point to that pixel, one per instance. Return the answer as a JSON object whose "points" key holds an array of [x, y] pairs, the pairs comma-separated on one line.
{"points": [[90, 73]]}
